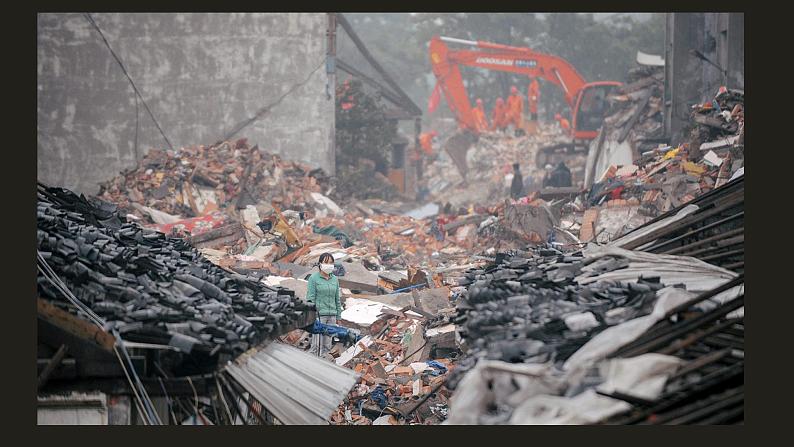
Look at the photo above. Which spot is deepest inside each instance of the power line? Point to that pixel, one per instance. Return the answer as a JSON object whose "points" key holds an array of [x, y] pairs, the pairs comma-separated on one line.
{"points": [[242, 125], [143, 401], [137, 121], [124, 70]]}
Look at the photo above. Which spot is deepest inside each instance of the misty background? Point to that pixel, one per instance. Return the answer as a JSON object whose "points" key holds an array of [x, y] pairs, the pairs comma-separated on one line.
{"points": [[601, 46]]}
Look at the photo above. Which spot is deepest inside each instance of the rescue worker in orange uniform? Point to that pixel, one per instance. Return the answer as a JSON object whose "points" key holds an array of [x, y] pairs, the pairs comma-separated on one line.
{"points": [[426, 142], [515, 108], [479, 117], [564, 124], [498, 120], [533, 96]]}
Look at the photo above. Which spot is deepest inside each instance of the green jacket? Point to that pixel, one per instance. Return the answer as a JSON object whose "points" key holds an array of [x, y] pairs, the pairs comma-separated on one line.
{"points": [[324, 294]]}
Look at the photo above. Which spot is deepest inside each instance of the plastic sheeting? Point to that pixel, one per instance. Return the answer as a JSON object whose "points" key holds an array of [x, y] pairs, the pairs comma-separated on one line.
{"points": [[296, 387], [364, 312], [611, 339], [542, 394], [534, 391], [427, 210], [325, 205], [495, 381], [737, 174], [159, 217], [585, 408], [650, 59], [697, 275], [643, 376], [634, 235]]}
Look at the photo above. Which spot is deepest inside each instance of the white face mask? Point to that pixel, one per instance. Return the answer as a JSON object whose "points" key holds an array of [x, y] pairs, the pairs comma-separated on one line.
{"points": [[327, 268]]}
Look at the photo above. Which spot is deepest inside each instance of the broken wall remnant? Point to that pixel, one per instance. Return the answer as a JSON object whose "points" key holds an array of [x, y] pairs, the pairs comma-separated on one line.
{"points": [[202, 76], [689, 79]]}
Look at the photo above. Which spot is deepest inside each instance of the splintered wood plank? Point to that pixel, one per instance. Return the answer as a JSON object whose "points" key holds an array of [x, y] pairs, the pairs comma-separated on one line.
{"points": [[74, 325], [589, 219]]}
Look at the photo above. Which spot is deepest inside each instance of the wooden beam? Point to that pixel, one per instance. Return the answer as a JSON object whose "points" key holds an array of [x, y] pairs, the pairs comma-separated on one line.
{"points": [[233, 229], [353, 285], [628, 126], [407, 102], [178, 386], [66, 370], [51, 365], [75, 325], [191, 201], [87, 358], [388, 94]]}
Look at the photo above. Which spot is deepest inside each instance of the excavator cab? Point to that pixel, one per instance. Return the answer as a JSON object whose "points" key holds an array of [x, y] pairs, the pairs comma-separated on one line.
{"points": [[590, 109]]}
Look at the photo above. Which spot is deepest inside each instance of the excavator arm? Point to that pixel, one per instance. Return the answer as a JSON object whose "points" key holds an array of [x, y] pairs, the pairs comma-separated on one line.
{"points": [[524, 61]]}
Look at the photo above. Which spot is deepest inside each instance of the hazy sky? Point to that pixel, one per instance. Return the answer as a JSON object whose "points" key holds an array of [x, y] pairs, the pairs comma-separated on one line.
{"points": [[637, 15], [642, 16]]}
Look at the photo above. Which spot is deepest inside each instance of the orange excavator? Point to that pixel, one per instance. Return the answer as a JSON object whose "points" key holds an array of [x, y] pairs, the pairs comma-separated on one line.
{"points": [[587, 100]]}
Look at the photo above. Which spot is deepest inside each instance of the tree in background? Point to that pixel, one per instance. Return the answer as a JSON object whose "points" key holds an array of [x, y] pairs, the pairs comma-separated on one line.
{"points": [[599, 49], [364, 139], [511, 29], [362, 130]]}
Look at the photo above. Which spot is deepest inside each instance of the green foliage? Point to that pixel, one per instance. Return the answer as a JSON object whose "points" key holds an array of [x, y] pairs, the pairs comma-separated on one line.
{"points": [[362, 130]]}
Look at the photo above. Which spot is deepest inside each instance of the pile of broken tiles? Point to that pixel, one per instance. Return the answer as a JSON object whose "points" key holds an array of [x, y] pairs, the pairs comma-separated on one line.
{"points": [[152, 288], [528, 307]]}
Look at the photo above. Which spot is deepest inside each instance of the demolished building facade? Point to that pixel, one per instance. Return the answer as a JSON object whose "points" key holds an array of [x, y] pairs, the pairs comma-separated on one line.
{"points": [[177, 293]]}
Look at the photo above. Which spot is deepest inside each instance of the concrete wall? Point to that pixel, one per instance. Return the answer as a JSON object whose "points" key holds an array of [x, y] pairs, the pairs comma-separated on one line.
{"points": [[201, 74], [689, 80]]}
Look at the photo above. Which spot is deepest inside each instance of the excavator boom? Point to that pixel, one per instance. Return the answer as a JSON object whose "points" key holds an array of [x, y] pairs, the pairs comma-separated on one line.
{"points": [[523, 61]]}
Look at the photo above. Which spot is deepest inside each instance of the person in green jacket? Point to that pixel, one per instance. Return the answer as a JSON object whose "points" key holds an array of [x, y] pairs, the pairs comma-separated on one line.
{"points": [[324, 294]]}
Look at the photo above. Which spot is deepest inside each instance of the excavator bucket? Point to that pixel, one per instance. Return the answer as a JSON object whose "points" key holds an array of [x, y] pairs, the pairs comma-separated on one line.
{"points": [[457, 146]]}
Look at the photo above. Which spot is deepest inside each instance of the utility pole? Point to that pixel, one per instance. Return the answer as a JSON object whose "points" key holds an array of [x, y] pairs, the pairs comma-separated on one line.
{"points": [[330, 87]]}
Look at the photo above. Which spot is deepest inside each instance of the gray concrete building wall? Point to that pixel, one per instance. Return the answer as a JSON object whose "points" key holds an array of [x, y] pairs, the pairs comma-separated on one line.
{"points": [[200, 74], [733, 38], [689, 80]]}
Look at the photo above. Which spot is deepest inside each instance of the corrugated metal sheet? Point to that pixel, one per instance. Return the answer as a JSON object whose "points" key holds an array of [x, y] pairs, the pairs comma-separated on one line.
{"points": [[73, 409], [650, 227], [296, 387]]}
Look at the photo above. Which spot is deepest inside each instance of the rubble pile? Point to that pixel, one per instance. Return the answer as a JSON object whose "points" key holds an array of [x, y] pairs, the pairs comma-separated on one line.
{"points": [[632, 179], [403, 360], [709, 386], [720, 121], [219, 196], [635, 112], [401, 241], [530, 308], [710, 228], [656, 183], [152, 288], [490, 171], [545, 318], [361, 183], [246, 209], [194, 181], [555, 338]]}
